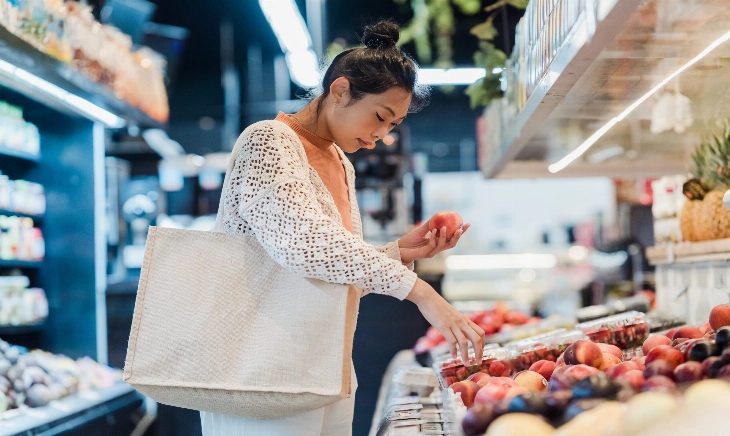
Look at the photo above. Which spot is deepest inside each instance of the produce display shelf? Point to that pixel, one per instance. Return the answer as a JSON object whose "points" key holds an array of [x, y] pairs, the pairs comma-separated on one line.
{"points": [[36, 218], [583, 45], [688, 252], [402, 359], [75, 411], [19, 264], [9, 152], [9, 330], [18, 59]]}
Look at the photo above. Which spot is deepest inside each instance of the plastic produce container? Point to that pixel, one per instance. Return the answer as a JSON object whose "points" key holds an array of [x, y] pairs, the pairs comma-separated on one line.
{"points": [[548, 346], [495, 362], [626, 330]]}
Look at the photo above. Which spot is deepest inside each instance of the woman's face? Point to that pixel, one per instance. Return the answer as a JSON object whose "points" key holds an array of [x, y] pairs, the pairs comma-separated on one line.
{"points": [[359, 124]]}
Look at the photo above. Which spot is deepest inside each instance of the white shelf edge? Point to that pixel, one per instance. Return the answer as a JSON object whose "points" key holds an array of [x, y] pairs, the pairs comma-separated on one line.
{"points": [[571, 62]]}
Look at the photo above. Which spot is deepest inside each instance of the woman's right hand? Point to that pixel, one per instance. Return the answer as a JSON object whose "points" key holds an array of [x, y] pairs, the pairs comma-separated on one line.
{"points": [[455, 326]]}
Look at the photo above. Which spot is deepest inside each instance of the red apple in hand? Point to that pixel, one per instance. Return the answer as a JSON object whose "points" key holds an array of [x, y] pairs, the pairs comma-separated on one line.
{"points": [[451, 220]]}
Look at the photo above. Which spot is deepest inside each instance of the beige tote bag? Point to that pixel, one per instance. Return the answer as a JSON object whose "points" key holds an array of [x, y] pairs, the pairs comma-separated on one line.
{"points": [[219, 326]]}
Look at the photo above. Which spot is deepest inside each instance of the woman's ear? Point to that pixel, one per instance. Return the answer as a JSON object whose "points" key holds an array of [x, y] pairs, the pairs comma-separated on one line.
{"points": [[340, 91]]}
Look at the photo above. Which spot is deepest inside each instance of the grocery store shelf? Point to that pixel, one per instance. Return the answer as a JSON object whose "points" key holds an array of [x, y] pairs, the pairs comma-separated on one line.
{"points": [[19, 264], [9, 330], [9, 152], [688, 252], [580, 49], [76, 411], [36, 218], [622, 169], [594, 79], [51, 82]]}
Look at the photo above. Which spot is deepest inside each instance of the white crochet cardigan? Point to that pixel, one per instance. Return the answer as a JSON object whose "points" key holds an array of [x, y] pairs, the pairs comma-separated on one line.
{"points": [[275, 195]]}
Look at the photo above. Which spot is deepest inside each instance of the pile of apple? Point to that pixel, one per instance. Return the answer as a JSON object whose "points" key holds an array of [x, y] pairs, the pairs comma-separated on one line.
{"points": [[592, 375], [499, 319]]}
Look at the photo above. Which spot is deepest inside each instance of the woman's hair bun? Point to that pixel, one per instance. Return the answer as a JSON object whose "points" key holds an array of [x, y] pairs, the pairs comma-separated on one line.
{"points": [[381, 34]]}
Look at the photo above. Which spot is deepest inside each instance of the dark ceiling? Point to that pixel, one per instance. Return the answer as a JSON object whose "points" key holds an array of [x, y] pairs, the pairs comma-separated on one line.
{"points": [[196, 91]]}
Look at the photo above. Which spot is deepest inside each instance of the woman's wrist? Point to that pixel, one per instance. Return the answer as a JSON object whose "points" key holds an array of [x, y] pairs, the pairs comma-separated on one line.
{"points": [[419, 293], [403, 257]]}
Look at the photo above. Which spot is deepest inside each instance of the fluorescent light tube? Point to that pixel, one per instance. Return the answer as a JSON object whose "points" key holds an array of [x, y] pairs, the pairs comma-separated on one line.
{"points": [[588, 143]]}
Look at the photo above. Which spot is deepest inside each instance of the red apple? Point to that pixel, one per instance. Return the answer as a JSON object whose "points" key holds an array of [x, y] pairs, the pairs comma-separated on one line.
{"points": [[688, 332], [720, 316], [531, 380], [665, 352], [634, 377], [612, 349], [467, 389], [451, 220], [654, 341], [670, 333], [544, 367], [491, 393]]}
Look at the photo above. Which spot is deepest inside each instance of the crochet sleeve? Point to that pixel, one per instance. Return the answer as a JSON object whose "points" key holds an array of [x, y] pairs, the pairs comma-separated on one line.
{"points": [[278, 203], [392, 251]]}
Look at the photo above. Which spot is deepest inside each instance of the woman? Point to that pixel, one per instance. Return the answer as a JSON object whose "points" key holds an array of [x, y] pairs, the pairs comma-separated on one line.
{"points": [[293, 189]]}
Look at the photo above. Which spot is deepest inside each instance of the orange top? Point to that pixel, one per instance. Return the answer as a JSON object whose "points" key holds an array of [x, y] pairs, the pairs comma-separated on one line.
{"points": [[325, 159]]}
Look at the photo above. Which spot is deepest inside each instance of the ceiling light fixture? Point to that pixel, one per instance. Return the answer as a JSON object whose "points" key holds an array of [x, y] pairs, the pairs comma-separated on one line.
{"points": [[588, 143], [81, 105], [290, 29]]}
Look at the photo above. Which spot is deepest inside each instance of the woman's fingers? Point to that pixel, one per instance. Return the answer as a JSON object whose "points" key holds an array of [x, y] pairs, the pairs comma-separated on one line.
{"points": [[476, 337], [463, 343], [451, 339]]}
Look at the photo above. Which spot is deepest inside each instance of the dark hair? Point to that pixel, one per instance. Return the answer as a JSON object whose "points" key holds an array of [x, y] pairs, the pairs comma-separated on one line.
{"points": [[377, 67]]}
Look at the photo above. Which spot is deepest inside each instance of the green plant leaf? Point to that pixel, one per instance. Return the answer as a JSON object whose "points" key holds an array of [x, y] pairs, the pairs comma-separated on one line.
{"points": [[519, 4], [468, 7], [485, 31]]}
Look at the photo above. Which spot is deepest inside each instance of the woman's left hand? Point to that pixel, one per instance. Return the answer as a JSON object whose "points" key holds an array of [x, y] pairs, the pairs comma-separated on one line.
{"points": [[422, 244]]}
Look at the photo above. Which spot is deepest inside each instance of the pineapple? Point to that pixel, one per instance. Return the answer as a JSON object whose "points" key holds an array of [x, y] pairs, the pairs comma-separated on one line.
{"points": [[686, 217], [690, 217], [715, 214]]}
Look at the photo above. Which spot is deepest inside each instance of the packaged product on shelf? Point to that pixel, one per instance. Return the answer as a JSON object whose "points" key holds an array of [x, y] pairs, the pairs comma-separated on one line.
{"points": [[19, 304], [626, 331], [16, 133], [20, 240], [548, 346], [414, 380]]}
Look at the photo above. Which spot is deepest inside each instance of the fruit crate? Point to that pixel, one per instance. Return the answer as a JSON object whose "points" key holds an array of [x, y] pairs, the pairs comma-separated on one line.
{"points": [[626, 331], [495, 362], [548, 346]]}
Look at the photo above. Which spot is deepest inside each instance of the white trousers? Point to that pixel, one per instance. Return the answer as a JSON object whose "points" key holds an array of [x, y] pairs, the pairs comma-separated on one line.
{"points": [[332, 420]]}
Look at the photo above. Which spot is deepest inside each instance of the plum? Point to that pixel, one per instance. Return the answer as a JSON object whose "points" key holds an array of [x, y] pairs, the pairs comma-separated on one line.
{"points": [[579, 406], [594, 386], [529, 402], [477, 419], [659, 367], [722, 338], [688, 372]]}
